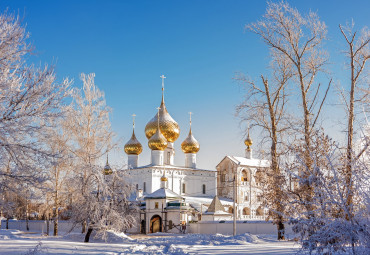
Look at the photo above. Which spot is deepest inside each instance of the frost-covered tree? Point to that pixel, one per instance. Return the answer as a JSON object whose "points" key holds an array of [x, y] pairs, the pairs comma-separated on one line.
{"points": [[60, 170], [358, 53], [299, 40], [99, 205], [30, 99], [106, 206], [265, 106], [330, 231]]}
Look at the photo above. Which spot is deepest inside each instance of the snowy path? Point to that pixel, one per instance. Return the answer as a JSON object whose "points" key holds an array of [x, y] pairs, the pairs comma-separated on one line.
{"points": [[13, 242]]}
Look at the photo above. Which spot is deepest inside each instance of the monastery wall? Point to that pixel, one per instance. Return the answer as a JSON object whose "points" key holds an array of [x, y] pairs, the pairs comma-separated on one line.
{"points": [[251, 227]]}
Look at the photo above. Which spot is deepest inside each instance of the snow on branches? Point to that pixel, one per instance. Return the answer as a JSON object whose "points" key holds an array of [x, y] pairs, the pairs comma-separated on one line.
{"points": [[30, 100]]}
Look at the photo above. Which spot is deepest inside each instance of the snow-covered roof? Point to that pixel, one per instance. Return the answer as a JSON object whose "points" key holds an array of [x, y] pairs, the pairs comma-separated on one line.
{"points": [[162, 193], [252, 162], [215, 206], [219, 213], [197, 202]]}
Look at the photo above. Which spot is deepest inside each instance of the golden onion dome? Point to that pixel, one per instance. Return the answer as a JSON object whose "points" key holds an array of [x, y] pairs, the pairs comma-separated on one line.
{"points": [[133, 146], [107, 169], [157, 142], [248, 142], [168, 126], [190, 144], [164, 178]]}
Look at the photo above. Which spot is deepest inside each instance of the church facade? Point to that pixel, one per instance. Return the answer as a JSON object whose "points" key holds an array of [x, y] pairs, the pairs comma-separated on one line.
{"points": [[171, 196]]}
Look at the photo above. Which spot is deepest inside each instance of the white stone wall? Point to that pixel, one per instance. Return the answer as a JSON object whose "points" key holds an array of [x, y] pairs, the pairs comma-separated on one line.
{"points": [[41, 226], [252, 227]]}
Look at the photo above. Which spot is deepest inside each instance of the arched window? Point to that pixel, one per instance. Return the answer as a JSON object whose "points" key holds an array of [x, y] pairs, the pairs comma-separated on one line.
{"points": [[259, 211], [170, 224], [137, 186], [246, 211], [144, 187], [244, 176], [183, 188], [204, 188], [168, 158]]}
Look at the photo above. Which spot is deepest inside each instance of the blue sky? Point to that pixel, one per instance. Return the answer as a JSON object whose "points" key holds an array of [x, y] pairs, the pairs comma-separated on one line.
{"points": [[197, 45]]}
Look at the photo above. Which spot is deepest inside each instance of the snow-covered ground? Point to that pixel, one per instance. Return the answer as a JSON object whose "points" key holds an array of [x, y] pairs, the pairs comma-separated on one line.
{"points": [[17, 242]]}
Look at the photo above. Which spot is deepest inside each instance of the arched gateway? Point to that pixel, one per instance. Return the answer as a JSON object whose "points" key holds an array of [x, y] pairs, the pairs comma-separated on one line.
{"points": [[155, 224]]}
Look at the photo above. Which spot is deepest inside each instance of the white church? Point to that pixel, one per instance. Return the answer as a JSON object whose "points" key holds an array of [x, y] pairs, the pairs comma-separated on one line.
{"points": [[171, 196]]}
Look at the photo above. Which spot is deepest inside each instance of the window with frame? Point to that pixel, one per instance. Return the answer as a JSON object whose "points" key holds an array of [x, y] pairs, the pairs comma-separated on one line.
{"points": [[244, 176], [170, 224], [156, 205], [204, 188], [246, 198], [183, 188], [144, 187]]}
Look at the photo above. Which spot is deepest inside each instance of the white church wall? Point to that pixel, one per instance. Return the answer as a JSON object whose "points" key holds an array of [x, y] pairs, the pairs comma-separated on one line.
{"points": [[194, 180]]}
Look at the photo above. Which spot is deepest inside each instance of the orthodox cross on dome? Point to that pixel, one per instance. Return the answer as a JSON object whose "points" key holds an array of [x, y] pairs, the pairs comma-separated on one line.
{"points": [[162, 77], [190, 113], [133, 120]]}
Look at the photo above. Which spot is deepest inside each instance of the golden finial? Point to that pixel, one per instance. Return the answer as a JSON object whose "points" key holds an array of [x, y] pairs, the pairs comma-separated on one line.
{"points": [[133, 120], [162, 77], [248, 142], [190, 113], [164, 178]]}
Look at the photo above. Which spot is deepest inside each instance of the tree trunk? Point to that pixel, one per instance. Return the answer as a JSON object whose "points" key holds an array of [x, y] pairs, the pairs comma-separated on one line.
{"points": [[350, 139], [27, 214], [56, 226], [281, 229], [275, 179], [56, 215], [83, 227], [47, 226], [87, 237]]}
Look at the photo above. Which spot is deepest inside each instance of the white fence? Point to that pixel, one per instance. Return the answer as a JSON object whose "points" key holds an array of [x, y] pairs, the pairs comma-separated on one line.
{"points": [[203, 227], [41, 226], [226, 228]]}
